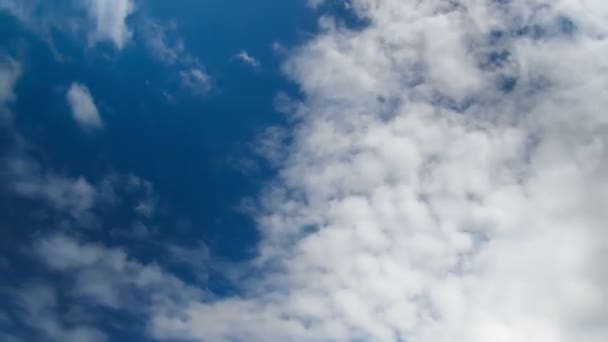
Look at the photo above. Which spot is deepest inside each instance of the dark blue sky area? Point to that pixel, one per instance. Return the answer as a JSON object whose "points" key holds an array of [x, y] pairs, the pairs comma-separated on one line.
{"points": [[190, 147]]}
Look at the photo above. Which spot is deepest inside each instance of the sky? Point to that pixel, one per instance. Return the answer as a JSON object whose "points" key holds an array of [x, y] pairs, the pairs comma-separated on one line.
{"points": [[305, 170]]}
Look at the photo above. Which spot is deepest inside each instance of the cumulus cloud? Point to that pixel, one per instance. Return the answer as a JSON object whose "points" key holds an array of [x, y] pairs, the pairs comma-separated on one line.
{"points": [[244, 57], [445, 183], [83, 107], [108, 20]]}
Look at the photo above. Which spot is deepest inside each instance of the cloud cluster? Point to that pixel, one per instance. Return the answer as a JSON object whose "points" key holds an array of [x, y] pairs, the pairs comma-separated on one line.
{"points": [[445, 183]]}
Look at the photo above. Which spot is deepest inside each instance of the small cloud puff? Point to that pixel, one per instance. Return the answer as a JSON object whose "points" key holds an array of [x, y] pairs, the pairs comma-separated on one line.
{"points": [[246, 58], [83, 107]]}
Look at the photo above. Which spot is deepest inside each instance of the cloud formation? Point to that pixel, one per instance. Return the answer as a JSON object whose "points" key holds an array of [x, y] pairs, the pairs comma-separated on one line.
{"points": [[84, 110], [445, 183]]}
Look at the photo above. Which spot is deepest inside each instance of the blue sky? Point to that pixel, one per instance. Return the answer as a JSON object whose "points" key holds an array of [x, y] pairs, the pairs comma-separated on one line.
{"points": [[364, 170]]}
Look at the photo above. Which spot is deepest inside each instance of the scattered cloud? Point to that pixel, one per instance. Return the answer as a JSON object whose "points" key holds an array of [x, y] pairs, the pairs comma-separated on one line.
{"points": [[244, 57], [83, 107]]}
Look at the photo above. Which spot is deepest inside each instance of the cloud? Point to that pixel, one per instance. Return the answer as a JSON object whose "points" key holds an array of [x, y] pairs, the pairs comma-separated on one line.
{"points": [[245, 58], [157, 38], [110, 278], [83, 107], [165, 45], [41, 312], [10, 71], [74, 196], [445, 182], [108, 19], [195, 80], [101, 20]]}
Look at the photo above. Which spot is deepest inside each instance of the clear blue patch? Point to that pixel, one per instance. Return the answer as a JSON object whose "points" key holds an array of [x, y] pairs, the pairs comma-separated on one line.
{"points": [[506, 84]]}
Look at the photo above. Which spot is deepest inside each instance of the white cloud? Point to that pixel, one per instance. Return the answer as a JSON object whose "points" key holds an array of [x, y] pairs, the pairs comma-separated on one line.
{"points": [[245, 58], [424, 200], [108, 19], [195, 80], [83, 107]]}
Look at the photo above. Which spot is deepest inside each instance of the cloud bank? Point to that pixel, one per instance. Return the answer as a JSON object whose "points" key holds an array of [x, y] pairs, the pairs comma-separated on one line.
{"points": [[445, 183]]}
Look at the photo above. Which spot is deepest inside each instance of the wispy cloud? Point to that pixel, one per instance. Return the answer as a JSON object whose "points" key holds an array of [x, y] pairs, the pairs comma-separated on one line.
{"points": [[195, 80], [10, 71], [244, 57], [167, 50]]}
